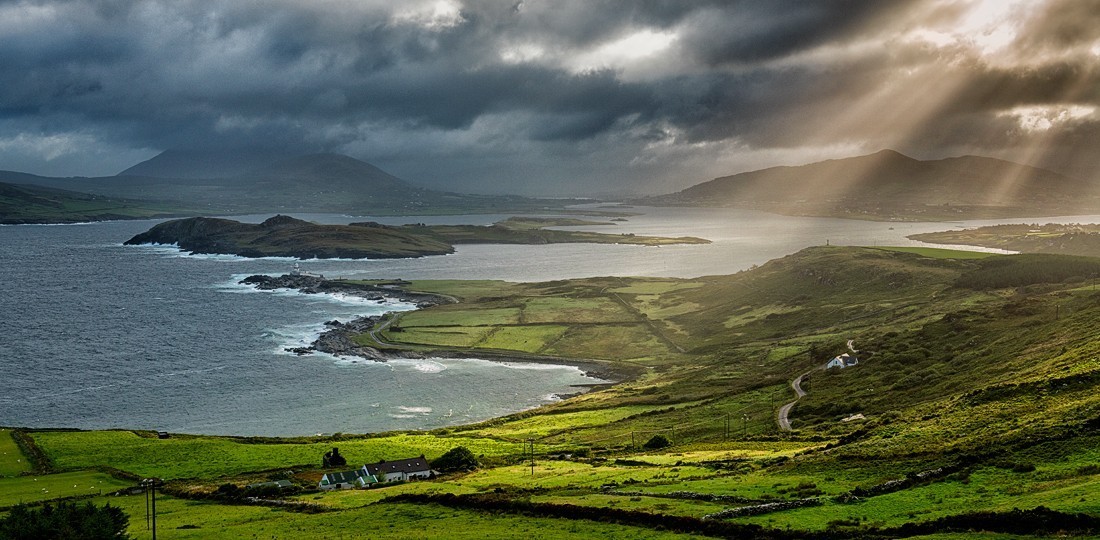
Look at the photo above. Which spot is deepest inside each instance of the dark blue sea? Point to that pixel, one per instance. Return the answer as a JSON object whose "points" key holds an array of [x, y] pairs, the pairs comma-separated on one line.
{"points": [[94, 334]]}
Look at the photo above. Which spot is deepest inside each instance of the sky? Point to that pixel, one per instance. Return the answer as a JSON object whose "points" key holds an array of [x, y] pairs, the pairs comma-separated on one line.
{"points": [[561, 97]]}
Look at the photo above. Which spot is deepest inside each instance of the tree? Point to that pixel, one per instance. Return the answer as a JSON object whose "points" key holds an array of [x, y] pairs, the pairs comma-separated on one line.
{"points": [[458, 458], [65, 521], [657, 442]]}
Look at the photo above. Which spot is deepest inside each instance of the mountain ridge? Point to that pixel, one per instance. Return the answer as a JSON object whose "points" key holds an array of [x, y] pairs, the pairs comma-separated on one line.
{"points": [[890, 185], [323, 182]]}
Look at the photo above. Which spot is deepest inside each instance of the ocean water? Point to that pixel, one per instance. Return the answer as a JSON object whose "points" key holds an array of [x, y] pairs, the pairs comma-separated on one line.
{"points": [[94, 334]]}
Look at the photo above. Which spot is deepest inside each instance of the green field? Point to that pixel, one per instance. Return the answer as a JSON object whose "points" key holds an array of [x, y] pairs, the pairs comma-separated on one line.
{"points": [[184, 456], [12, 460], [30, 489]]}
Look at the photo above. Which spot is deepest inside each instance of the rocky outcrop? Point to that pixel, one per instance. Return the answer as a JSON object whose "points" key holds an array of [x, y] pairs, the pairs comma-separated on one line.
{"points": [[284, 236], [316, 285], [338, 339]]}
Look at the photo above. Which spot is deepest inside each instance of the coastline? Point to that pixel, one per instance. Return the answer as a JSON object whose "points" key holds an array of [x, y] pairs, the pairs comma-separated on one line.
{"points": [[337, 340]]}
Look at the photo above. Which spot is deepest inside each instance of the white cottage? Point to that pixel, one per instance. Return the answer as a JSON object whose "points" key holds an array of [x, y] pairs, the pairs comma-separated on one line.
{"points": [[346, 480], [842, 361], [402, 469]]}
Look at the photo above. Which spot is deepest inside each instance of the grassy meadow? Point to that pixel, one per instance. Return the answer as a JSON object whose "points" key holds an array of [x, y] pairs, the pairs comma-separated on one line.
{"points": [[973, 412]]}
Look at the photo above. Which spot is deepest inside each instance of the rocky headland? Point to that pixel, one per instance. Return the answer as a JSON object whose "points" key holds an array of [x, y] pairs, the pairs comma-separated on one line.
{"points": [[339, 338], [284, 236]]}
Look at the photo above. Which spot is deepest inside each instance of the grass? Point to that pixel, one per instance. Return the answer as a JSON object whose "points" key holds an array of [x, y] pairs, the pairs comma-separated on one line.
{"points": [[527, 338], [940, 253], [179, 518], [12, 460], [36, 488], [211, 457]]}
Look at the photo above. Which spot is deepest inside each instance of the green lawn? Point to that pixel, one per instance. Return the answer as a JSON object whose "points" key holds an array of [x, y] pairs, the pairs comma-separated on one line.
{"points": [[178, 518], [575, 311], [35, 488], [212, 457], [527, 338], [12, 460]]}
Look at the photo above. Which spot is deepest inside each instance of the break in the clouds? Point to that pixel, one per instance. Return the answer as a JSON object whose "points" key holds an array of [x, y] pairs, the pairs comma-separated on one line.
{"points": [[550, 97]]}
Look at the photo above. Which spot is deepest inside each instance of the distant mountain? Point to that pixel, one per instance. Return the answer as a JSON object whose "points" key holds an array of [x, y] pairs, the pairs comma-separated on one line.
{"points": [[35, 204], [889, 185], [308, 183], [175, 163]]}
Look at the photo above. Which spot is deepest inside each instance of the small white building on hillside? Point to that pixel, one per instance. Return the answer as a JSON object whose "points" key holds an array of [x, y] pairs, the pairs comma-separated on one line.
{"points": [[842, 361]]}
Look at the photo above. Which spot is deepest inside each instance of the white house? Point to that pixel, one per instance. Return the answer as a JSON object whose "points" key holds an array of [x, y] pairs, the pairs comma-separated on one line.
{"points": [[346, 480], [402, 469], [842, 361]]}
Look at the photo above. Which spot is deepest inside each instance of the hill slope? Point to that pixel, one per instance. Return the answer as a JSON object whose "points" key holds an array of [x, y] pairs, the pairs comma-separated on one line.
{"points": [[309, 183], [21, 203], [176, 163], [889, 185]]}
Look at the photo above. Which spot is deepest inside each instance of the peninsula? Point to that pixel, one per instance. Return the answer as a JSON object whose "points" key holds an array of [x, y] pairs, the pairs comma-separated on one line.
{"points": [[1064, 239], [284, 236]]}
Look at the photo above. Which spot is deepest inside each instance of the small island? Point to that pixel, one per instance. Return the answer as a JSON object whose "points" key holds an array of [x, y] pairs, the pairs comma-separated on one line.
{"points": [[285, 236]]}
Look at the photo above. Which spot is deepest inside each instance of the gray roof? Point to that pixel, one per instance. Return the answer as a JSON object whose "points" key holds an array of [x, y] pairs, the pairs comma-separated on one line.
{"points": [[343, 477], [411, 465]]}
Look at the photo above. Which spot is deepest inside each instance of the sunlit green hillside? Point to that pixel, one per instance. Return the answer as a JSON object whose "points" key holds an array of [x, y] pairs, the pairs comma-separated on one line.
{"points": [[972, 410]]}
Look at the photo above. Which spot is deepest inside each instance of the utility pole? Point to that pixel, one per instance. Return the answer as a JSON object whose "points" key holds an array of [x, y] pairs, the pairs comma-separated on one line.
{"points": [[632, 447], [727, 426], [150, 485], [532, 441]]}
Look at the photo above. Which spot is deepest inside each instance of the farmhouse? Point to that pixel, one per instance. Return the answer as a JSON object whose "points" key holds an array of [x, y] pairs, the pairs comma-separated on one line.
{"points": [[842, 361], [402, 469], [346, 480]]}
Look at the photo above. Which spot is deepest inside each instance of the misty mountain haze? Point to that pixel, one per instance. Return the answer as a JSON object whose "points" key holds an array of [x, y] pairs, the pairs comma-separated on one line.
{"points": [[255, 182], [888, 184], [884, 185]]}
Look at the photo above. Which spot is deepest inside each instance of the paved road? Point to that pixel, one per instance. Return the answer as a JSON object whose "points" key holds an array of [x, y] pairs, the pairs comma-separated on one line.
{"points": [[796, 385]]}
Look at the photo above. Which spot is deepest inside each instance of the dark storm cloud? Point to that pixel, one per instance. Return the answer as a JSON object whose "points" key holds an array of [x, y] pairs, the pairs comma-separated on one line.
{"points": [[506, 80], [754, 30]]}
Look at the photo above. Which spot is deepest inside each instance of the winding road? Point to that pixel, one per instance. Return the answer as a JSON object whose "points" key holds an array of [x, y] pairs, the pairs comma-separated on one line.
{"points": [[796, 385]]}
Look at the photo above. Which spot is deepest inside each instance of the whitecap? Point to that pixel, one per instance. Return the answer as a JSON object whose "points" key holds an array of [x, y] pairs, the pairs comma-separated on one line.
{"points": [[415, 410], [423, 366]]}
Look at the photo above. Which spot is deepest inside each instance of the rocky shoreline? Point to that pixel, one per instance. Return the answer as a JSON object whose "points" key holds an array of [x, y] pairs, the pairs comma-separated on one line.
{"points": [[337, 340]]}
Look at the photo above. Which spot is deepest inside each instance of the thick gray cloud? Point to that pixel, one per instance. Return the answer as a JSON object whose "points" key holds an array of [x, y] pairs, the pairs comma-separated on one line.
{"points": [[556, 97]]}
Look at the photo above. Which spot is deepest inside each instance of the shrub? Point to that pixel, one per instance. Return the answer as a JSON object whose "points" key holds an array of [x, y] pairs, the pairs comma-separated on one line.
{"points": [[657, 442], [65, 520], [458, 458]]}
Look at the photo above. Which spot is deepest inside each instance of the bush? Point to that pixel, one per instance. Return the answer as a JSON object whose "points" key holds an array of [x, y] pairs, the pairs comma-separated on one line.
{"points": [[657, 442], [458, 458], [65, 520]]}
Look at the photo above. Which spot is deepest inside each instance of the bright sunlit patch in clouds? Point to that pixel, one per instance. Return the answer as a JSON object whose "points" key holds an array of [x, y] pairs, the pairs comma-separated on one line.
{"points": [[989, 27], [436, 15], [622, 53], [1044, 117], [519, 54], [992, 24]]}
